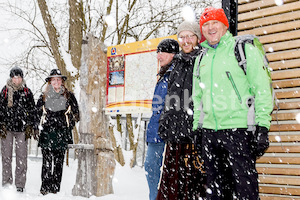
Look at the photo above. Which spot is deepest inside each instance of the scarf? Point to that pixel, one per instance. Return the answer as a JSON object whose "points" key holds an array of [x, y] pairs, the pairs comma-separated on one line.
{"points": [[55, 101], [11, 88]]}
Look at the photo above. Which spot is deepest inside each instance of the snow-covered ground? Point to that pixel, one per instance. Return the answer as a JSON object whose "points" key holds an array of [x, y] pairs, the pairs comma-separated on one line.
{"points": [[127, 183]]}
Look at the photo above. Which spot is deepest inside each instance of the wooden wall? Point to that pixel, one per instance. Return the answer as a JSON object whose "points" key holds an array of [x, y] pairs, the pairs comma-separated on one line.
{"points": [[278, 28]]}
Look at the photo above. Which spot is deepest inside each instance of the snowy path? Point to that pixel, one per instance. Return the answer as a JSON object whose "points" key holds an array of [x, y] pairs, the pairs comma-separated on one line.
{"points": [[128, 184]]}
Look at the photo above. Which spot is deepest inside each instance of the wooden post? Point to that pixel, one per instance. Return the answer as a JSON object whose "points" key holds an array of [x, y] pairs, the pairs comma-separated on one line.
{"points": [[95, 166]]}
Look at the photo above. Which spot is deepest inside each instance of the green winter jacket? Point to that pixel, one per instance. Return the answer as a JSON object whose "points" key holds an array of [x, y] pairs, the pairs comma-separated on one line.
{"points": [[224, 89]]}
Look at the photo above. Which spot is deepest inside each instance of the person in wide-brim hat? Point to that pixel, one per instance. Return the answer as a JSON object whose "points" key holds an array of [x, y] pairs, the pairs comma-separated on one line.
{"points": [[55, 73]]}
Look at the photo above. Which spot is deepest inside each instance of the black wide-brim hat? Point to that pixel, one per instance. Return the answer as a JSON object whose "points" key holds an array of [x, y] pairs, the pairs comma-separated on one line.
{"points": [[55, 73]]}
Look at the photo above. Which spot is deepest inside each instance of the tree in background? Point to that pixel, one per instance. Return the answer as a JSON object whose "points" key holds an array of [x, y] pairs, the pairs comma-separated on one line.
{"points": [[52, 31]]}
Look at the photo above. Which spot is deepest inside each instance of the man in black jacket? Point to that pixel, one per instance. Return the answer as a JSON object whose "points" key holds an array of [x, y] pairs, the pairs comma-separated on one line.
{"points": [[182, 176], [17, 116]]}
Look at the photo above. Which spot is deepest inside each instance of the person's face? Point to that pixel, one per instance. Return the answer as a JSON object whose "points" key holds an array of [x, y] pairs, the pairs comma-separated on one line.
{"points": [[213, 30], [187, 41], [164, 58], [17, 80], [56, 82]]}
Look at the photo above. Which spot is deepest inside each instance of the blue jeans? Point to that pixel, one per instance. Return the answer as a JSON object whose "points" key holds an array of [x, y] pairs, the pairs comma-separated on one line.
{"points": [[153, 163]]}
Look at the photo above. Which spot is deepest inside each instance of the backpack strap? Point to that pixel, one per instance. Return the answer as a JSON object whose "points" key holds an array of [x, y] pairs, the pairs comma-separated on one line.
{"points": [[26, 91], [5, 93], [198, 60], [239, 50], [197, 74]]}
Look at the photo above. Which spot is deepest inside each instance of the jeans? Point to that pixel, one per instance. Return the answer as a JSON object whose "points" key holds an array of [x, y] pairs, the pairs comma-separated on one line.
{"points": [[152, 166]]}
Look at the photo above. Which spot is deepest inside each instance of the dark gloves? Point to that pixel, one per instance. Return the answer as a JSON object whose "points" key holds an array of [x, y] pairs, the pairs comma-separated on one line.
{"points": [[3, 131], [260, 142], [28, 132], [36, 134]]}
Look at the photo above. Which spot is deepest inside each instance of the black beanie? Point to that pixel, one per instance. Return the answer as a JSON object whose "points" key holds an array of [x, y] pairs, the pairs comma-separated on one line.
{"points": [[168, 46], [16, 71]]}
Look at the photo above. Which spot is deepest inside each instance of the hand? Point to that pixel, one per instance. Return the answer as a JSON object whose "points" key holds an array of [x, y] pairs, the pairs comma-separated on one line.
{"points": [[28, 132], [36, 134], [262, 141], [3, 131]]}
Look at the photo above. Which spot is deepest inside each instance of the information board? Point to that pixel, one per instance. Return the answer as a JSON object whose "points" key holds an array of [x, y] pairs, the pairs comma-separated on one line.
{"points": [[131, 76]]}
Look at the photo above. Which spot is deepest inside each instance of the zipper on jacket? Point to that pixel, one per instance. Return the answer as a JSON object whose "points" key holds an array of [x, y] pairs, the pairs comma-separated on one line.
{"points": [[234, 86], [211, 89]]}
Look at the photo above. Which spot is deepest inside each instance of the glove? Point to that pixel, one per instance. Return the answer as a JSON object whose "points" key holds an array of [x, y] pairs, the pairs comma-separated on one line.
{"points": [[260, 141], [3, 131], [36, 134], [28, 132]]}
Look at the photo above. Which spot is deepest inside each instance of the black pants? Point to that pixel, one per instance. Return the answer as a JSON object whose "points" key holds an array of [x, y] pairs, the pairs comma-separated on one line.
{"points": [[229, 165], [51, 177]]}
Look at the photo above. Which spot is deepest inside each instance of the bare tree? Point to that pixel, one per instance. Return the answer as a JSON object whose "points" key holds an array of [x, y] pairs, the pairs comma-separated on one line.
{"points": [[68, 22]]}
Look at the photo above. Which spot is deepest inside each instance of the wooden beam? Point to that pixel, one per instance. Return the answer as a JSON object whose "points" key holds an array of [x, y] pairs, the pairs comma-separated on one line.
{"points": [[255, 5], [269, 20], [279, 160], [288, 94], [269, 11], [283, 149], [278, 37], [284, 127], [278, 171], [289, 105], [286, 83], [285, 74], [279, 197], [281, 180], [285, 64], [284, 55], [280, 46], [284, 116], [276, 28], [285, 138], [279, 190]]}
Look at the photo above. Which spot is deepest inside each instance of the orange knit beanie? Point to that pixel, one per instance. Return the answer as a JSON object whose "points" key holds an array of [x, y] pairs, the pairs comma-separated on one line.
{"points": [[211, 13]]}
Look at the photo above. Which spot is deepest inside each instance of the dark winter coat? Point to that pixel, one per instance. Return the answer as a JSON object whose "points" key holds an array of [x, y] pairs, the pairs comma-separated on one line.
{"points": [[158, 103], [56, 126], [176, 121], [21, 113]]}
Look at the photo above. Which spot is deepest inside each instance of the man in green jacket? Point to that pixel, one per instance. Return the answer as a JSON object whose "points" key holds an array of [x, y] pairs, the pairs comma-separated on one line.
{"points": [[222, 94]]}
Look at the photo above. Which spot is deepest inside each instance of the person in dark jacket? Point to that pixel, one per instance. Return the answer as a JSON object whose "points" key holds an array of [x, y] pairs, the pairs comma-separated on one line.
{"points": [[17, 117], [166, 50], [57, 111], [182, 176]]}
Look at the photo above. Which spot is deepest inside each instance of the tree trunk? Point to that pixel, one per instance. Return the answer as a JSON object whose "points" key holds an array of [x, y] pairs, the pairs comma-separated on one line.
{"points": [[75, 31], [119, 125], [95, 166], [54, 38], [130, 130], [117, 149]]}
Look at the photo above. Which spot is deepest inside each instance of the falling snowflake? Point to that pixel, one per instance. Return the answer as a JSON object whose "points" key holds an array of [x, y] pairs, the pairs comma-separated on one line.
{"points": [[110, 20], [298, 118], [279, 2], [202, 85], [188, 13], [270, 49], [94, 109]]}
